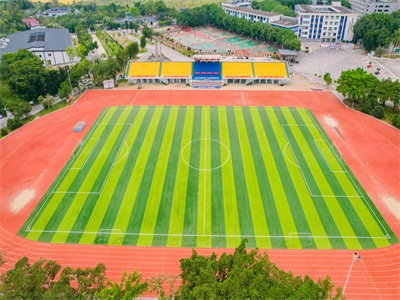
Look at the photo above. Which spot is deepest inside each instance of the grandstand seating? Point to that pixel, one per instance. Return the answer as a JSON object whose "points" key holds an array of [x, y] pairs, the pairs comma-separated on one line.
{"points": [[208, 74], [207, 71], [144, 69], [237, 69], [176, 69], [270, 70]]}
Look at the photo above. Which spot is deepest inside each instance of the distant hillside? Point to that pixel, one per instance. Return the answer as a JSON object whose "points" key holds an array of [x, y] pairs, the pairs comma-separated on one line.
{"points": [[170, 3]]}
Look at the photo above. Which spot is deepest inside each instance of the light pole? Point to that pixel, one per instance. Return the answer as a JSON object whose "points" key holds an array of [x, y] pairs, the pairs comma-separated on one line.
{"points": [[69, 79], [283, 38], [356, 258]]}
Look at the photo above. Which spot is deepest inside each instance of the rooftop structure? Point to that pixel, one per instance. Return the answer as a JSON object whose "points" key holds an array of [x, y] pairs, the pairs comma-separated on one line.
{"points": [[49, 44], [31, 22], [58, 11]]}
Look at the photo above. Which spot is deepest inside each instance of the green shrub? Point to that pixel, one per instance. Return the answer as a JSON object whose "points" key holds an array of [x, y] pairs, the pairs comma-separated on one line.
{"points": [[3, 132], [366, 108], [14, 123], [396, 121], [378, 112]]}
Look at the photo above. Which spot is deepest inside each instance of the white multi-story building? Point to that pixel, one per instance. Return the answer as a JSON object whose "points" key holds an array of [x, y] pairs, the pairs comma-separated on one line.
{"points": [[242, 9], [365, 7], [327, 23]]}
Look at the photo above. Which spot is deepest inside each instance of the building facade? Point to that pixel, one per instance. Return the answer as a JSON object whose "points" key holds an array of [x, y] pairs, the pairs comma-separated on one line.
{"points": [[49, 44], [326, 23], [242, 9], [365, 7]]}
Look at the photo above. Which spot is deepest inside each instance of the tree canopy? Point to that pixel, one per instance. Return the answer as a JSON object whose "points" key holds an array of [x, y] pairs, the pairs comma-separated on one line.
{"points": [[24, 73], [46, 279], [377, 29], [368, 91], [246, 275]]}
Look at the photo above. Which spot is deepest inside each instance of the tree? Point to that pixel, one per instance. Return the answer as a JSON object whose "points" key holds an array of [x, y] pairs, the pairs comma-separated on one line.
{"points": [[357, 85], [47, 101], [81, 51], [24, 73], [28, 281], [246, 275], [142, 42], [19, 108], [376, 29], [130, 287], [158, 283], [133, 48], [71, 53], [328, 79]]}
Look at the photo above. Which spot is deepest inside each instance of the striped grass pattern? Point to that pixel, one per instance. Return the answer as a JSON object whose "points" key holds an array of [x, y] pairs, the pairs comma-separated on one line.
{"points": [[208, 177]]}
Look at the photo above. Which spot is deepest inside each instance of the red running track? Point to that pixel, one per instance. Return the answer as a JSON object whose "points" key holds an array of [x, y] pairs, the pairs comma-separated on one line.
{"points": [[32, 156]]}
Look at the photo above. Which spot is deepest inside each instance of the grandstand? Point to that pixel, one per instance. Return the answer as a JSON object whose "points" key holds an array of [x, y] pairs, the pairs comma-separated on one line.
{"points": [[144, 69], [212, 73], [237, 69], [176, 70]]}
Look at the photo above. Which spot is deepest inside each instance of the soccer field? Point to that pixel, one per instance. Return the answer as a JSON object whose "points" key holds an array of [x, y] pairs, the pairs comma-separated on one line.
{"points": [[208, 177]]}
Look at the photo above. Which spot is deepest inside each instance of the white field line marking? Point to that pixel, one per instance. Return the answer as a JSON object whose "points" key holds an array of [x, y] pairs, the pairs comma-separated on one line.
{"points": [[210, 235], [354, 184], [284, 151], [203, 169], [324, 158], [205, 173], [306, 180], [134, 98], [244, 101], [63, 176], [108, 173], [80, 150], [126, 153], [89, 133]]}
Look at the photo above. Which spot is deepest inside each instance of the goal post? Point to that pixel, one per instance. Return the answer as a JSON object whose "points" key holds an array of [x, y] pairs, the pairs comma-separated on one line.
{"points": [[77, 148]]}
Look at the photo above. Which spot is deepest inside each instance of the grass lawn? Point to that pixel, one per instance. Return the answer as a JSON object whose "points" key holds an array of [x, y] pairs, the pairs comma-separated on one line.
{"points": [[208, 177]]}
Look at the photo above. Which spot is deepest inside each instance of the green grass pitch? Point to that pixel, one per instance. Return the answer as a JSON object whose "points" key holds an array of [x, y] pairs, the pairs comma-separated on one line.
{"points": [[208, 177]]}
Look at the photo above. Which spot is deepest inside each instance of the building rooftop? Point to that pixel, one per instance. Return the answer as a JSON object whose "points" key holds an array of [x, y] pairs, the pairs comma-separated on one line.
{"points": [[306, 8], [255, 11], [44, 39], [31, 22], [58, 10]]}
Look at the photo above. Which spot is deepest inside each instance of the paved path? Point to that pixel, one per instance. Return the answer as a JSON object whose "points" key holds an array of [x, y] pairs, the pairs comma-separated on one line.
{"points": [[35, 109], [99, 51]]}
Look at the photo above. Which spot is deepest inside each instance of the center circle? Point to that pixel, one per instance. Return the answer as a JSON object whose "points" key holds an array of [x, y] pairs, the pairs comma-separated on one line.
{"points": [[206, 148]]}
